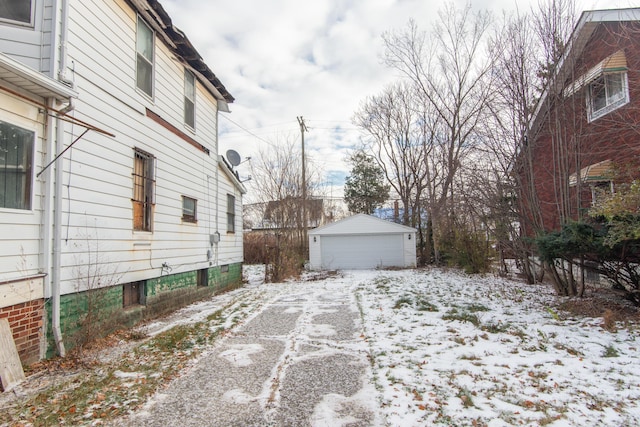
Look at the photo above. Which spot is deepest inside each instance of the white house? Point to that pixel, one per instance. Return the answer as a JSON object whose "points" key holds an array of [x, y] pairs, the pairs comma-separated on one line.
{"points": [[362, 242], [114, 203]]}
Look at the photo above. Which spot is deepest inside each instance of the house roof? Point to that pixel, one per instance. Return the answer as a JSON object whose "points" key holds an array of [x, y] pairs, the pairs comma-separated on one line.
{"points": [[584, 29], [362, 224], [156, 16], [222, 164], [275, 207]]}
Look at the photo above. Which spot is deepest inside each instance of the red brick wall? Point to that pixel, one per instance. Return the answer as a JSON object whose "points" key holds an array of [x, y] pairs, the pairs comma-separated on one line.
{"points": [[26, 322], [614, 136]]}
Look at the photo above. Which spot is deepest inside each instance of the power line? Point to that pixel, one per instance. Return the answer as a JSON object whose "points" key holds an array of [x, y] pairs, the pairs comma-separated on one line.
{"points": [[249, 132]]}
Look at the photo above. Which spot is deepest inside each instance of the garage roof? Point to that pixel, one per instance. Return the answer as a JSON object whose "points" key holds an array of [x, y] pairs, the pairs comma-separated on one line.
{"points": [[362, 224]]}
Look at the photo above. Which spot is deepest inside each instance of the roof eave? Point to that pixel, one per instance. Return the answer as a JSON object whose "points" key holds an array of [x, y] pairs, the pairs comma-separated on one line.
{"points": [[29, 80], [581, 34], [153, 11]]}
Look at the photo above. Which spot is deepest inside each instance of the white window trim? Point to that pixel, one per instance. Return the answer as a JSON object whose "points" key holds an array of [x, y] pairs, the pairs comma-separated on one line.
{"points": [[30, 126], [30, 24], [231, 211], [193, 100], [153, 59], [594, 115], [195, 210]]}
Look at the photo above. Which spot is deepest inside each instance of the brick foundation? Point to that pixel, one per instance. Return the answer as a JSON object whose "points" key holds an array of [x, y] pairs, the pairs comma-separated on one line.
{"points": [[26, 323]]}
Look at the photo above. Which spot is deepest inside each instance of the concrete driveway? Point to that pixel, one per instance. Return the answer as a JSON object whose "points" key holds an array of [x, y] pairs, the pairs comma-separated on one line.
{"points": [[301, 361]]}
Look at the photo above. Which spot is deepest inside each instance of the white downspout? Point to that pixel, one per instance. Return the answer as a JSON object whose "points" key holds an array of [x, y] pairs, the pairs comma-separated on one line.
{"points": [[57, 208], [47, 222], [217, 194]]}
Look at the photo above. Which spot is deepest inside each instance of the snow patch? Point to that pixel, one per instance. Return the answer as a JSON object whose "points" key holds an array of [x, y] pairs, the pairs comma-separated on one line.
{"points": [[237, 395], [240, 354], [321, 330]]}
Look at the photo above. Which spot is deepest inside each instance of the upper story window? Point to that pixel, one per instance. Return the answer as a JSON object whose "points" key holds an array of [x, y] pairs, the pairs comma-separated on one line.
{"points": [[189, 99], [17, 11], [607, 93], [144, 57], [16, 165]]}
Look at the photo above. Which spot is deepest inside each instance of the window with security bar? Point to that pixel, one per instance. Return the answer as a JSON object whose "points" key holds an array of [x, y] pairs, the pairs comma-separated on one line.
{"points": [[16, 166], [143, 190]]}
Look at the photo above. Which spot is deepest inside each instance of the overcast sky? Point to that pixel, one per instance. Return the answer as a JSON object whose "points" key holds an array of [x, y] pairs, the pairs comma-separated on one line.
{"points": [[318, 59]]}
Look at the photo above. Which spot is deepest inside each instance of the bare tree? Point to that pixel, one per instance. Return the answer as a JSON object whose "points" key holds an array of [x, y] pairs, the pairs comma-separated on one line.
{"points": [[399, 143], [278, 187], [452, 77], [529, 104], [505, 142]]}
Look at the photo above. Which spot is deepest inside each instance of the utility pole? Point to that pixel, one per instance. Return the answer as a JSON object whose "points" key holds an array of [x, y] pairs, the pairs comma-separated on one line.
{"points": [[303, 129]]}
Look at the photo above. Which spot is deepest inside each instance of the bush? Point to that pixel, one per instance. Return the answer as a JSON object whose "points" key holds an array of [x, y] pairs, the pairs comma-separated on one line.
{"points": [[468, 250]]}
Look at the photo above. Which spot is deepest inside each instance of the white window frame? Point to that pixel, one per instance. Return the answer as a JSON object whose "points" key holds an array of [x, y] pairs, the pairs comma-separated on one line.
{"points": [[611, 103], [6, 20], [30, 173], [231, 213], [150, 61], [187, 215], [144, 189], [190, 98]]}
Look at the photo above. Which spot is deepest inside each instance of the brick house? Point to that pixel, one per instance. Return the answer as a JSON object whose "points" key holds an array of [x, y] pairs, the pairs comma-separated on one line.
{"points": [[586, 122]]}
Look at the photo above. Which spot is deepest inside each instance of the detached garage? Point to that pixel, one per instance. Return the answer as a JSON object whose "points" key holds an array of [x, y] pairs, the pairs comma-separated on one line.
{"points": [[362, 242]]}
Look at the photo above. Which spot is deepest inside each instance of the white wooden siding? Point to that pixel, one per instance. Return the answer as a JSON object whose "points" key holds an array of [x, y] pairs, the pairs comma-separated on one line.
{"points": [[30, 45], [97, 218], [20, 229], [97, 205]]}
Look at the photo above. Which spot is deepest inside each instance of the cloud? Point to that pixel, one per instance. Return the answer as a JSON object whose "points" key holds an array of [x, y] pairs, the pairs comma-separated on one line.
{"points": [[282, 59]]}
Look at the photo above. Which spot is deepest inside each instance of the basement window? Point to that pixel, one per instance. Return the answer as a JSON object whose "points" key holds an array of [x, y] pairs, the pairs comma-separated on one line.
{"points": [[133, 293]]}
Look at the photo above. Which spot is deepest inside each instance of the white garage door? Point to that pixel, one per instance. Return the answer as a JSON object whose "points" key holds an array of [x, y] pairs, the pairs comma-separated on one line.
{"points": [[362, 252]]}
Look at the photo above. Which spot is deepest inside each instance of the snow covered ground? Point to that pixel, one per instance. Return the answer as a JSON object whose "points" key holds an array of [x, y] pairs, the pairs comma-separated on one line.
{"points": [[445, 349], [462, 350]]}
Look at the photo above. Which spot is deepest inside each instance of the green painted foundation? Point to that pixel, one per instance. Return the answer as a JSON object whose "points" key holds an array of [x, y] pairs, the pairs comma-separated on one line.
{"points": [[85, 316]]}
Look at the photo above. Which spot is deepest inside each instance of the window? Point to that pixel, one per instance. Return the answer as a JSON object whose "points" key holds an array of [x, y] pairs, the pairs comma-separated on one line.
{"points": [[132, 294], [189, 99], [144, 61], [606, 93], [231, 213], [202, 277], [189, 209], [143, 190], [17, 11], [601, 191], [16, 164]]}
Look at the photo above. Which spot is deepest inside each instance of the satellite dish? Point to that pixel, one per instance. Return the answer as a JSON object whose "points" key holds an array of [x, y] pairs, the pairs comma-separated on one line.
{"points": [[233, 157]]}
